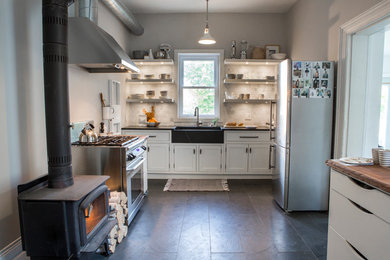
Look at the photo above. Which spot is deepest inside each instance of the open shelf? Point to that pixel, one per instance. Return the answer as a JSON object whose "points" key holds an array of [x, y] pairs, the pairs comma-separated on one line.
{"points": [[151, 81], [251, 62], [249, 101], [153, 62], [249, 81], [151, 100]]}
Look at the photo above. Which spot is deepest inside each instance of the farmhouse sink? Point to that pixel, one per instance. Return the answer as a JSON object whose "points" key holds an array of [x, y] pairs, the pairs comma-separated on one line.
{"points": [[191, 128], [197, 134]]}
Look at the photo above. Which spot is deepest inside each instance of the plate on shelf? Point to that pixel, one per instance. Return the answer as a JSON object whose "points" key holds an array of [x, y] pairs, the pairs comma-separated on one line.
{"points": [[357, 160]]}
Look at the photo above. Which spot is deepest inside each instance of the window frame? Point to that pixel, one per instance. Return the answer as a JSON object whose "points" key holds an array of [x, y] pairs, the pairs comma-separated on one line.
{"points": [[213, 55]]}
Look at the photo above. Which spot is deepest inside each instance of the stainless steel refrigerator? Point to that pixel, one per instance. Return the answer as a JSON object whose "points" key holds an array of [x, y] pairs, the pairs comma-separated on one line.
{"points": [[303, 135]]}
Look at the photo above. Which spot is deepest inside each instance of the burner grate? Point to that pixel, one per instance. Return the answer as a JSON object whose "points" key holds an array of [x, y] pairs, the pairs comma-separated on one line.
{"points": [[117, 140]]}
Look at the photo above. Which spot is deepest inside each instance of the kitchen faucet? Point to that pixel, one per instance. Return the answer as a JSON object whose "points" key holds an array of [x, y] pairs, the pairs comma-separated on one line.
{"points": [[196, 113]]}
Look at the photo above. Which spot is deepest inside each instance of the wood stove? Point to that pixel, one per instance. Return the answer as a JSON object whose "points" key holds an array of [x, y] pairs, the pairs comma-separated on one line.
{"points": [[64, 223]]}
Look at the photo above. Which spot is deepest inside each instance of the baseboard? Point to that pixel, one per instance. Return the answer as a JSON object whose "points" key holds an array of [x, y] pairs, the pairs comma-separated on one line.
{"points": [[12, 251], [209, 176]]}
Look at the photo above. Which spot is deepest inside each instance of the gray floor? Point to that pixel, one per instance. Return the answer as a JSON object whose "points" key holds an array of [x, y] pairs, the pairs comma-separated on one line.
{"points": [[244, 223]]}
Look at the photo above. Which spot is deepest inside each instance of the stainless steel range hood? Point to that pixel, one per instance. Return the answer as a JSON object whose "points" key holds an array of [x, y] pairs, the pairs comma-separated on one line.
{"points": [[92, 48]]}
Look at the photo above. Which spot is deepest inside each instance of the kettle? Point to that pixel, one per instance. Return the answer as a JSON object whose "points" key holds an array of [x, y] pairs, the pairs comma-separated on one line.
{"points": [[88, 135]]}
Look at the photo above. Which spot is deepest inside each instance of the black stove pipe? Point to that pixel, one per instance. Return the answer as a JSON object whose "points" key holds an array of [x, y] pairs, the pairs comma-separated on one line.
{"points": [[55, 63]]}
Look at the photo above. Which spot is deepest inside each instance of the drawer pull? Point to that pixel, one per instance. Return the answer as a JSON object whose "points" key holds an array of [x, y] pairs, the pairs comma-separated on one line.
{"points": [[360, 207], [361, 184], [253, 137], [152, 136], [357, 251]]}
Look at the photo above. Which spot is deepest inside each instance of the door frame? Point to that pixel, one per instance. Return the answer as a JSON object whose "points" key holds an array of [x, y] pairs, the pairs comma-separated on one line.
{"points": [[370, 17]]}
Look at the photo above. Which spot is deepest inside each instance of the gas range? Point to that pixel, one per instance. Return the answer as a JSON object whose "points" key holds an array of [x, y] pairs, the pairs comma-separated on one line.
{"points": [[113, 140], [123, 158]]}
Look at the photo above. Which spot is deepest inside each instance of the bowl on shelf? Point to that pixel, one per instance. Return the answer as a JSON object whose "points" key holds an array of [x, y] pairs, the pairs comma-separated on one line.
{"points": [[278, 56], [240, 76], [149, 76], [230, 76], [163, 94], [150, 93], [137, 96], [152, 124], [135, 76]]}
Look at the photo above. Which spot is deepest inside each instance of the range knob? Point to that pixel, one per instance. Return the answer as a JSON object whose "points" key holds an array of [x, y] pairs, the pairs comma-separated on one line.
{"points": [[130, 156], [143, 147]]}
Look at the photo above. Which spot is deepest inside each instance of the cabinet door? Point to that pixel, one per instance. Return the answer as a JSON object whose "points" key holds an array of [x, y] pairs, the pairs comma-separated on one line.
{"points": [[237, 158], [184, 158], [158, 158], [210, 158], [259, 158]]}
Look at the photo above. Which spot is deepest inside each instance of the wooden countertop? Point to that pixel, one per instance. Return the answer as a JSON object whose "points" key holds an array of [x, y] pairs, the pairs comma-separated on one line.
{"points": [[373, 175]]}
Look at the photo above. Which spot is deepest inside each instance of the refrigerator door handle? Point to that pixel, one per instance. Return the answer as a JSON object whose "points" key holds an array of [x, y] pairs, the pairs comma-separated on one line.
{"points": [[271, 137], [270, 166]]}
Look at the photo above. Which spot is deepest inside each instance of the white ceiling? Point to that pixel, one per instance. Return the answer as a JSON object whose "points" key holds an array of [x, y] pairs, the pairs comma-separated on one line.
{"points": [[215, 6]]}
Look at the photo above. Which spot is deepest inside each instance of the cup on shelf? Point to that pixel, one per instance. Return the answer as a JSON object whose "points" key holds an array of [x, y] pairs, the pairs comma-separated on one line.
{"points": [[240, 76], [165, 76], [150, 93], [247, 96], [375, 155], [241, 96], [261, 96], [384, 158]]}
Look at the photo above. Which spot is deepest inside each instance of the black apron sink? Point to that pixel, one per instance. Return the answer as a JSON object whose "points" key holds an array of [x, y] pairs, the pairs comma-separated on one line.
{"points": [[200, 134]]}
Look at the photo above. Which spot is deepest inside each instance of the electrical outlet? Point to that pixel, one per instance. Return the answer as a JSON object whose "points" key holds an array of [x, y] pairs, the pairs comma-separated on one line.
{"points": [[248, 116]]}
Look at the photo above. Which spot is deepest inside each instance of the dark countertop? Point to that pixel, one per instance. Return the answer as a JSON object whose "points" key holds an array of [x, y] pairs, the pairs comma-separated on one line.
{"points": [[172, 127], [373, 175], [148, 128]]}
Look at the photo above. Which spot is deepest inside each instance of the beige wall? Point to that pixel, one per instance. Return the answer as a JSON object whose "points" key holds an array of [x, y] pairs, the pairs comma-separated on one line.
{"points": [[184, 30], [22, 122], [313, 26]]}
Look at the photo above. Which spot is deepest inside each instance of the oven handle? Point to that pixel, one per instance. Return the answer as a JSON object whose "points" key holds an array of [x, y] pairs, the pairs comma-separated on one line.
{"points": [[138, 164]]}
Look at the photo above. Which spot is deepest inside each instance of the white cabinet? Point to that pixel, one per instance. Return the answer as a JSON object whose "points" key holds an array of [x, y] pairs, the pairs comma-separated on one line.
{"points": [[247, 152], [237, 158], [210, 158], [184, 158], [358, 220], [197, 158], [258, 158], [158, 157]]}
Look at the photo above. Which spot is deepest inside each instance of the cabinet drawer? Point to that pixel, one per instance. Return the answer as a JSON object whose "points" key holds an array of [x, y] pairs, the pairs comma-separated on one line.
{"points": [[370, 198], [154, 136], [246, 136], [366, 232], [338, 248]]}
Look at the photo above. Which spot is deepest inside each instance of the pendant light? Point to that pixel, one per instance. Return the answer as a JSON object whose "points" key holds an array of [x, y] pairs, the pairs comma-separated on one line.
{"points": [[207, 38]]}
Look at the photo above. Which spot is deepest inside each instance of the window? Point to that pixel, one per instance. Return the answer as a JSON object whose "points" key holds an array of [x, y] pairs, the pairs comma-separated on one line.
{"points": [[198, 84]]}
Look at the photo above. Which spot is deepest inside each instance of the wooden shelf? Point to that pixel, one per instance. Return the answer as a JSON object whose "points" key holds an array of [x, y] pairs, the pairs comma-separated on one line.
{"points": [[141, 62], [151, 100], [249, 81], [151, 81], [252, 62], [249, 101]]}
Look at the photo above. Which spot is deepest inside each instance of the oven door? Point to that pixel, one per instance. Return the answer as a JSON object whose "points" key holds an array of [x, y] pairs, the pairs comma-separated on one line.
{"points": [[135, 179]]}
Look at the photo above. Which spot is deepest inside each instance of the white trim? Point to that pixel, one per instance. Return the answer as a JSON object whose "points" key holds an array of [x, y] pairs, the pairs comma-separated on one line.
{"points": [[370, 17], [12, 251], [220, 65]]}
